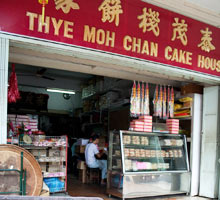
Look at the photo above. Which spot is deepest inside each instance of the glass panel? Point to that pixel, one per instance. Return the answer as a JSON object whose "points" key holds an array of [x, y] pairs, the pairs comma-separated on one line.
{"points": [[152, 152], [116, 152]]}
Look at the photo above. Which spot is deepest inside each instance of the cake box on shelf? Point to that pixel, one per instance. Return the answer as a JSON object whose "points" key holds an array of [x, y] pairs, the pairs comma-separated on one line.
{"points": [[173, 126]]}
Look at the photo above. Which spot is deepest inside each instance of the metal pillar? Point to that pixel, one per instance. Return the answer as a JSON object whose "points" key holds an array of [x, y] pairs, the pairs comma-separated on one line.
{"points": [[4, 53]]}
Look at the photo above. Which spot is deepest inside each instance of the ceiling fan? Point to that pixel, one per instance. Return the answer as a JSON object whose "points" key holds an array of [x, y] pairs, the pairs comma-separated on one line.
{"points": [[39, 74]]}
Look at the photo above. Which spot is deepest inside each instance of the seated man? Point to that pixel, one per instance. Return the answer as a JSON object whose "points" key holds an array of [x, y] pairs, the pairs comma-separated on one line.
{"points": [[91, 153]]}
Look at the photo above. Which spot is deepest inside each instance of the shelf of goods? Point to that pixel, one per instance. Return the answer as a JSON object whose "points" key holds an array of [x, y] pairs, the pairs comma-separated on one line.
{"points": [[147, 164], [51, 154]]}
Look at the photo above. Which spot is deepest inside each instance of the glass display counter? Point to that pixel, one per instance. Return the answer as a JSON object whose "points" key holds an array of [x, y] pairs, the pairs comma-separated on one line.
{"points": [[147, 164]]}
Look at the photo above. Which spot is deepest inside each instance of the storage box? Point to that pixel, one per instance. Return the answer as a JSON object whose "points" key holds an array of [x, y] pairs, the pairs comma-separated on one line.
{"points": [[145, 118], [173, 130], [138, 129], [39, 152], [82, 141], [136, 126], [80, 148], [54, 153], [148, 130], [137, 122], [43, 167], [191, 88], [176, 121], [53, 167], [187, 104], [81, 164]]}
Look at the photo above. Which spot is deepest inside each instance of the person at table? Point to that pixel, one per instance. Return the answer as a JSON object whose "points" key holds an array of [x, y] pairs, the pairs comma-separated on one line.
{"points": [[92, 153]]}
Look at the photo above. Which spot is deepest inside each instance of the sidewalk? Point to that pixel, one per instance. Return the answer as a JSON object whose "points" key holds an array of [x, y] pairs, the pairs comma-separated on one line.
{"points": [[181, 197]]}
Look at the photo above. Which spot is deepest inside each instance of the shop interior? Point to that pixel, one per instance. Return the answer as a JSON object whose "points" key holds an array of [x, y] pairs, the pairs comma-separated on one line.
{"points": [[100, 105]]}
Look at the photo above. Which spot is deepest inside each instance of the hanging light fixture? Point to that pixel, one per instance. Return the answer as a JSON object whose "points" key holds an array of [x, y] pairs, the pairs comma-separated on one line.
{"points": [[43, 2], [57, 90]]}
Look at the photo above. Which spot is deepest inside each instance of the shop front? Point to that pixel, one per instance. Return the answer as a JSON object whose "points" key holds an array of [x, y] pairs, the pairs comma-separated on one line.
{"points": [[127, 40]]}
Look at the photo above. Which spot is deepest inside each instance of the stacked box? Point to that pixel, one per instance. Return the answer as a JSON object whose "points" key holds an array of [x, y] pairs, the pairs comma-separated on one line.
{"points": [[173, 126], [137, 125], [43, 167], [53, 167], [147, 123], [55, 152], [143, 124], [28, 120]]}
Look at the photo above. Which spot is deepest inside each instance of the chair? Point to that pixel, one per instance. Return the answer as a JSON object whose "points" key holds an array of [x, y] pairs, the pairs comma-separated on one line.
{"points": [[93, 175]]}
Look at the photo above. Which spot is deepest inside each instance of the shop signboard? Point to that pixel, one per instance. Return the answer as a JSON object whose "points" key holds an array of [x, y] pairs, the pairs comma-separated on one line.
{"points": [[127, 27]]}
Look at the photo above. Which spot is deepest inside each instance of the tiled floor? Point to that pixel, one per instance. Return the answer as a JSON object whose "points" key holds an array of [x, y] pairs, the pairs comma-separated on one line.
{"points": [[76, 188]]}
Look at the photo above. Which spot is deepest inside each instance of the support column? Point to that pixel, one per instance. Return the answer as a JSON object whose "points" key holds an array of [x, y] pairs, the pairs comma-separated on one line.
{"points": [[209, 170], [4, 53]]}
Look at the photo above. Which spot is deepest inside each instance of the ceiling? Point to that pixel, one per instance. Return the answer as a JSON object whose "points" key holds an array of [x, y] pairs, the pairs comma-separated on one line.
{"points": [[27, 75]]}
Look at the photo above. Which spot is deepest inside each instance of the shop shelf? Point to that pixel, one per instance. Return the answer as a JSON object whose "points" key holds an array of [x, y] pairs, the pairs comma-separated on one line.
{"points": [[184, 108], [150, 158], [50, 159], [149, 146], [53, 174], [186, 117]]}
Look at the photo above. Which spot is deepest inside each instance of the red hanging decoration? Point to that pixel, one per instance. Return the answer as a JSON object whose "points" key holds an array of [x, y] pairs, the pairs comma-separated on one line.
{"points": [[43, 2], [13, 92]]}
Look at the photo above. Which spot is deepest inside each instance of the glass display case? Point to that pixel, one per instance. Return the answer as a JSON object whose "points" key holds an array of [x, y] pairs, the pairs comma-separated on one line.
{"points": [[147, 164]]}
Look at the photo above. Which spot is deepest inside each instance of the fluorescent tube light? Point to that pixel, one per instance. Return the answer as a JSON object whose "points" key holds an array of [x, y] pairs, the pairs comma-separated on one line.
{"points": [[61, 91]]}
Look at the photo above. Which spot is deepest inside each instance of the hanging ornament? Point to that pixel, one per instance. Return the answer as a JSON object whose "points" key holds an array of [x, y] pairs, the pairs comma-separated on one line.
{"points": [[172, 104], [138, 100], [133, 100], [146, 101], [168, 102], [13, 92], [142, 99], [155, 101], [160, 101], [164, 103], [43, 2]]}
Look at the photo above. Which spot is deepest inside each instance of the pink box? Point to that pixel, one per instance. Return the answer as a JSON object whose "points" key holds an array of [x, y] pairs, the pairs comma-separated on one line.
{"points": [[173, 130], [22, 117], [11, 115], [172, 121], [137, 122], [141, 165], [33, 121], [22, 120], [138, 129], [33, 127], [33, 124], [147, 129], [145, 117], [148, 124]]}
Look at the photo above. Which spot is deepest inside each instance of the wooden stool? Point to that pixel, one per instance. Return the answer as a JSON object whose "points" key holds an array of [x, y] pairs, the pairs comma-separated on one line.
{"points": [[93, 175]]}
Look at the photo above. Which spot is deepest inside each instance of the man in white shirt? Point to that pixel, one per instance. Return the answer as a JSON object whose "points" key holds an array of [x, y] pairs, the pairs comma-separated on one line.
{"points": [[91, 153]]}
